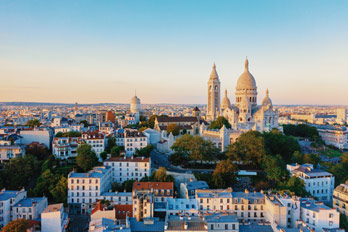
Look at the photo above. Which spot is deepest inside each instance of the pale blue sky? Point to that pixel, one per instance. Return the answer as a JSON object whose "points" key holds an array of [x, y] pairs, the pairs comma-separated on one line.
{"points": [[101, 51]]}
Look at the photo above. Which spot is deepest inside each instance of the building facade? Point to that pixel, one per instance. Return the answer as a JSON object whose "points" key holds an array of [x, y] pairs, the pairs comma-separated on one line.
{"points": [[128, 168], [319, 183]]}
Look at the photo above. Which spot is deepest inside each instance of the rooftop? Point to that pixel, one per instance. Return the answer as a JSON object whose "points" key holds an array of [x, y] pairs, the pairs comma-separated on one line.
{"points": [[53, 208], [97, 172], [152, 185], [128, 159], [28, 202]]}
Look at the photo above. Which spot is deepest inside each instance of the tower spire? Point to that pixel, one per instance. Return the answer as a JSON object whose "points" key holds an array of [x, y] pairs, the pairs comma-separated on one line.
{"points": [[246, 64], [214, 74], [267, 92], [225, 92]]}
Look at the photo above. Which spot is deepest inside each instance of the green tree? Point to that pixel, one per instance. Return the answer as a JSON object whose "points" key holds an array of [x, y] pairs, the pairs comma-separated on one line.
{"points": [[174, 129], [343, 222], [311, 159], [115, 151], [151, 121], [20, 172], [219, 122], [161, 176], [60, 190], [224, 174], [195, 148], [249, 149], [104, 155], [275, 168], [278, 143], [145, 151], [44, 183], [18, 225], [68, 134], [110, 144], [295, 185], [84, 122], [33, 123], [86, 158], [40, 151]]}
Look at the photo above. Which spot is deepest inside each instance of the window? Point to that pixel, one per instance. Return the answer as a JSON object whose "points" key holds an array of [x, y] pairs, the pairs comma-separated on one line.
{"points": [[212, 227]]}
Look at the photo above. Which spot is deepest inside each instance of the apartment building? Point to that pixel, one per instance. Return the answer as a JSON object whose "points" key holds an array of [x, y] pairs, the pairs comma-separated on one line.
{"points": [[65, 147], [41, 135], [245, 204], [54, 219], [149, 195], [188, 189], [182, 206], [340, 198], [85, 188], [319, 183], [134, 140], [128, 168], [8, 151], [318, 216], [29, 208], [97, 141], [8, 198], [336, 136]]}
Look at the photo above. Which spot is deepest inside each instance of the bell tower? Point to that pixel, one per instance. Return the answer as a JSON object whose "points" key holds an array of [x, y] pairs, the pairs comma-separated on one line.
{"points": [[213, 95]]}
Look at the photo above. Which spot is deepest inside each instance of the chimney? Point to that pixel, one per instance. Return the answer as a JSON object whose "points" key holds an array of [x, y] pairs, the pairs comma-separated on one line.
{"points": [[246, 191]]}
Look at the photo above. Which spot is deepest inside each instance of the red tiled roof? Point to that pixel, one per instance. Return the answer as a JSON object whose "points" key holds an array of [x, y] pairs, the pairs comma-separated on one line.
{"points": [[121, 211], [98, 207], [152, 185], [127, 159]]}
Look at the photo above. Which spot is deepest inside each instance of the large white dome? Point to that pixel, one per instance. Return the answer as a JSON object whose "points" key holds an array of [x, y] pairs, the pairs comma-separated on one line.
{"points": [[246, 81]]}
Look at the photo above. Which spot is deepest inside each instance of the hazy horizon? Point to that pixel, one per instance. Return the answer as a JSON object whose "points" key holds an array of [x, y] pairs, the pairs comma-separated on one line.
{"points": [[87, 52]]}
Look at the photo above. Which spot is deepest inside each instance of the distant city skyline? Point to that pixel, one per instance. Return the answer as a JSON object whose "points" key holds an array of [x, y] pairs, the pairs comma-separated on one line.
{"points": [[81, 51]]}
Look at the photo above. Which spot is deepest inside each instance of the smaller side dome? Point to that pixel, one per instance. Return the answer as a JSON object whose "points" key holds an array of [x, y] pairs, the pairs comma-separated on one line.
{"points": [[267, 100], [225, 101]]}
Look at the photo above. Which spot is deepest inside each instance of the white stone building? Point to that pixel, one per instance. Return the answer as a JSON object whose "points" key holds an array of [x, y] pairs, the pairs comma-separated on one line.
{"points": [[29, 208], [182, 206], [65, 147], [340, 198], [318, 216], [131, 140], [54, 219], [319, 183], [8, 151], [128, 168], [336, 136], [245, 114], [85, 188], [41, 135], [8, 198], [97, 141]]}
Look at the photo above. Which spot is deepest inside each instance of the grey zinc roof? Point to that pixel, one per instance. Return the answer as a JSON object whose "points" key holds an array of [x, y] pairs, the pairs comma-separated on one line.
{"points": [[250, 195], [114, 194], [217, 194], [7, 194], [28, 202], [141, 227], [97, 172], [313, 205], [196, 185], [215, 218]]}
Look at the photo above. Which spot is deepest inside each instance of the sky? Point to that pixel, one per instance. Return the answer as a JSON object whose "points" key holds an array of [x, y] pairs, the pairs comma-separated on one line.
{"points": [[103, 51]]}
